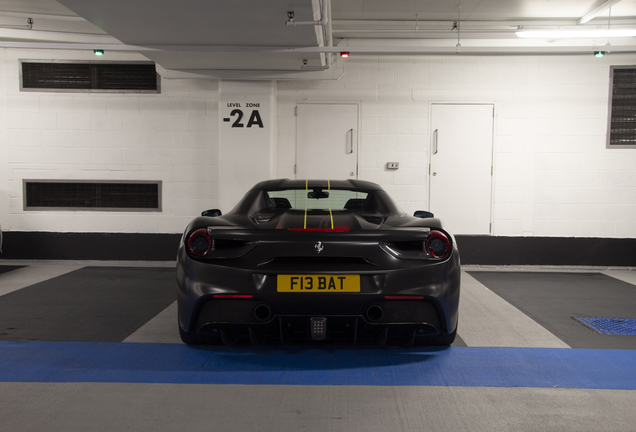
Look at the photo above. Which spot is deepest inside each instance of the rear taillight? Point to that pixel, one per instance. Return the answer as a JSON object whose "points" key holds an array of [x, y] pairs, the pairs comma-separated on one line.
{"points": [[438, 245], [199, 242]]}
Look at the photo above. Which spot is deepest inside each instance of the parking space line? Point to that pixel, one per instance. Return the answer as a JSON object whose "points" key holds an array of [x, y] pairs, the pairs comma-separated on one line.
{"points": [[487, 320], [622, 275], [32, 274], [161, 329]]}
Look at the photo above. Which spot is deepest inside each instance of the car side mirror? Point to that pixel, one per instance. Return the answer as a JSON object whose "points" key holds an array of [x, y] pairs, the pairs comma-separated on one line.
{"points": [[423, 214], [212, 213]]}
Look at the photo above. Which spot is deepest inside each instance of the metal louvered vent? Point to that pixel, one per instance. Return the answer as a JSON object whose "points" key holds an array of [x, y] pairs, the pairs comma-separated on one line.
{"points": [[622, 122], [92, 195], [121, 77]]}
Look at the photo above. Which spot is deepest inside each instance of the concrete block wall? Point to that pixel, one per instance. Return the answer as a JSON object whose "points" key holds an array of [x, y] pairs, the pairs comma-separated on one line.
{"points": [[171, 136], [553, 175]]}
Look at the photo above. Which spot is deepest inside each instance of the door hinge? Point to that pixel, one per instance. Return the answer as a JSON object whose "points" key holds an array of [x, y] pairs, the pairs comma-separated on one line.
{"points": [[295, 172], [296, 111]]}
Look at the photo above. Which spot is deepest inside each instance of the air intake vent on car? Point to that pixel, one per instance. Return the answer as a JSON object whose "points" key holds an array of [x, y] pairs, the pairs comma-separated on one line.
{"points": [[133, 77], [90, 195]]}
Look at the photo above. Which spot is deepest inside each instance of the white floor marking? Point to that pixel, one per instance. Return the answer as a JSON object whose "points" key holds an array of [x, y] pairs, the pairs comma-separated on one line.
{"points": [[34, 273], [485, 319], [161, 329], [623, 275]]}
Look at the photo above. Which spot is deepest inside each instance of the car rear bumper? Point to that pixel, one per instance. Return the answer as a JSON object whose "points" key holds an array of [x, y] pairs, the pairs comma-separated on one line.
{"points": [[429, 305]]}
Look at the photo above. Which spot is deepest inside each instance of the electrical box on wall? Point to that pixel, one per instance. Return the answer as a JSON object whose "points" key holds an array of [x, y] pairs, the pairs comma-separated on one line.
{"points": [[392, 165]]}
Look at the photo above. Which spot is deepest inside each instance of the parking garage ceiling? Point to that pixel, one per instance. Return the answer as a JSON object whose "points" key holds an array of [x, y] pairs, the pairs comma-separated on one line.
{"points": [[261, 39]]}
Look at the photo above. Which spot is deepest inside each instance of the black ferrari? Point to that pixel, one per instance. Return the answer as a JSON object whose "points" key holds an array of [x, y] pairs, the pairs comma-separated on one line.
{"points": [[317, 261]]}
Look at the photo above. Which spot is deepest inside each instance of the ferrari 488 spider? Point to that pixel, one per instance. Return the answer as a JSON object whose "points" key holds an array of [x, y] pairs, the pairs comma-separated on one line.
{"points": [[317, 261]]}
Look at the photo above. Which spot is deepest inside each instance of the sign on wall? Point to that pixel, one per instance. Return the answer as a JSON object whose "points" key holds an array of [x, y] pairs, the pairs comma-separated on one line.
{"points": [[237, 114], [247, 112]]}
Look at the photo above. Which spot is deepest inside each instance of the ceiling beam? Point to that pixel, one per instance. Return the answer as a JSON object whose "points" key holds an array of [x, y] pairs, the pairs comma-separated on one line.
{"points": [[596, 11], [373, 47]]}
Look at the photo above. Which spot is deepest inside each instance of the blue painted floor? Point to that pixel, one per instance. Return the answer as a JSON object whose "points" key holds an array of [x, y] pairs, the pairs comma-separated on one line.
{"points": [[452, 366]]}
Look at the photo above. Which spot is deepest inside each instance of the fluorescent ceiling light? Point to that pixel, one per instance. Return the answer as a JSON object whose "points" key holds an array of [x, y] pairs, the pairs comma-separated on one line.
{"points": [[568, 34]]}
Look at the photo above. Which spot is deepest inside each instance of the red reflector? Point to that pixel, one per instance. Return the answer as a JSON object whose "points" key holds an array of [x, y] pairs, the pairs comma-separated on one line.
{"points": [[319, 229], [404, 297], [232, 296]]}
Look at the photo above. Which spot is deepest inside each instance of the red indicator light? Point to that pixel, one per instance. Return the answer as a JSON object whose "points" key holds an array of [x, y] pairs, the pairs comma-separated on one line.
{"points": [[232, 296], [344, 54], [403, 297]]}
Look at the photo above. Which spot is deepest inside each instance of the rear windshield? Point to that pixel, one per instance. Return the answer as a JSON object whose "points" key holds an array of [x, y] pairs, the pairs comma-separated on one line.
{"points": [[318, 199]]}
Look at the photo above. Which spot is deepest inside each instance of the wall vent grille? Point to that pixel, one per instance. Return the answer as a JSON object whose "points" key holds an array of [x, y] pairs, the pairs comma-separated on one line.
{"points": [[92, 195], [622, 121], [75, 76]]}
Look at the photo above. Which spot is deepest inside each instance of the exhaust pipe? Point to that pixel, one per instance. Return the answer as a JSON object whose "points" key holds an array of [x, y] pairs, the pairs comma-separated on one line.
{"points": [[262, 312], [374, 313]]}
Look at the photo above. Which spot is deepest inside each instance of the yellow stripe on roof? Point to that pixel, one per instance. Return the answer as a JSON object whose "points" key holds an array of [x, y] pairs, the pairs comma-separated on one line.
{"points": [[330, 214], [306, 188]]}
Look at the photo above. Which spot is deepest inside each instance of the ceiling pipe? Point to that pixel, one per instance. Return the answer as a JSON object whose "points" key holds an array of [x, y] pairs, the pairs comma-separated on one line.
{"points": [[38, 16], [329, 31], [468, 24], [374, 48], [28, 26]]}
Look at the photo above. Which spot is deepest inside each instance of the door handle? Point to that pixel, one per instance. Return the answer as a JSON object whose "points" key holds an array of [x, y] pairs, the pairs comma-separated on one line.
{"points": [[350, 141], [435, 139]]}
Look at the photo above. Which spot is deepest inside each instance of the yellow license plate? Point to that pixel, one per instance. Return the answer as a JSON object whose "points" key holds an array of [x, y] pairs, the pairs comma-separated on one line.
{"points": [[318, 283]]}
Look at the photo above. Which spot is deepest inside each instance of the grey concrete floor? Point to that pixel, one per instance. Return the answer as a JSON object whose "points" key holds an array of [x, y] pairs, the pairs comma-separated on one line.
{"points": [[486, 320]]}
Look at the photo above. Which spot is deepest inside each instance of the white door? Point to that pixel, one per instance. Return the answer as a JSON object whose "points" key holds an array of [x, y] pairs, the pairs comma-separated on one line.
{"points": [[461, 166], [327, 141]]}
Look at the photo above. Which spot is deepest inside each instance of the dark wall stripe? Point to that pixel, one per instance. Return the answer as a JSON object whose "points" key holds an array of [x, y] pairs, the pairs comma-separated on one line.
{"points": [[475, 250], [90, 246], [563, 251]]}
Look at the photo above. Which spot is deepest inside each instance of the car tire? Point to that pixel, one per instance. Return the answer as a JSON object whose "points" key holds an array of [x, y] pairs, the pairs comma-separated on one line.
{"points": [[193, 338]]}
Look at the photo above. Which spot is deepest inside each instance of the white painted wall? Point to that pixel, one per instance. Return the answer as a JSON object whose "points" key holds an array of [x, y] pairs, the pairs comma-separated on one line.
{"points": [[553, 175], [172, 137]]}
